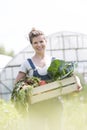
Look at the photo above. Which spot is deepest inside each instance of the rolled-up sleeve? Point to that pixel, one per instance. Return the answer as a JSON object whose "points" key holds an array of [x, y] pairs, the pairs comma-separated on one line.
{"points": [[26, 68], [23, 68]]}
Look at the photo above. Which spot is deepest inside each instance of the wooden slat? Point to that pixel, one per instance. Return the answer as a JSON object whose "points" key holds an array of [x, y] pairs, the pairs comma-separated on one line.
{"points": [[53, 93], [53, 89], [53, 85]]}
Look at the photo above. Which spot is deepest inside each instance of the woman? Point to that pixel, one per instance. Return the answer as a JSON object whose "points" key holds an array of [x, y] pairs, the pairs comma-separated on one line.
{"points": [[46, 113], [38, 64]]}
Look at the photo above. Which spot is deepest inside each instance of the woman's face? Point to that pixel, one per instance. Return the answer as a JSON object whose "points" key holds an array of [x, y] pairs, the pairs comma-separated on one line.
{"points": [[39, 44]]}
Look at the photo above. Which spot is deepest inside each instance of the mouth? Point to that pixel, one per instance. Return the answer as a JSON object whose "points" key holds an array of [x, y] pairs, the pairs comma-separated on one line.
{"points": [[40, 49]]}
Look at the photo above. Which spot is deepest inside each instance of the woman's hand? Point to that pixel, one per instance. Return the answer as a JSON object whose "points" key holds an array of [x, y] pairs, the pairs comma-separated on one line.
{"points": [[79, 86]]}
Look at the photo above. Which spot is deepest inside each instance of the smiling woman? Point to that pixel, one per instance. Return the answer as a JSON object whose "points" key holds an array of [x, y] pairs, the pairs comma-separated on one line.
{"points": [[39, 60], [40, 114]]}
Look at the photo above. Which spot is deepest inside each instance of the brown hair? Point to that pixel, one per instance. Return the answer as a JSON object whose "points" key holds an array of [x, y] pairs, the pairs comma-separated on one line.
{"points": [[34, 33]]}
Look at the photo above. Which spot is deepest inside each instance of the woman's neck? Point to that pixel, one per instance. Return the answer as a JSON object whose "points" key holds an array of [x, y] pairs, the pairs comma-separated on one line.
{"points": [[39, 56], [39, 60]]}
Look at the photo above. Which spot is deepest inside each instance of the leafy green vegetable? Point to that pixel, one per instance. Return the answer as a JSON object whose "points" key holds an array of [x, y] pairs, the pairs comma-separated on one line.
{"points": [[21, 92], [60, 69]]}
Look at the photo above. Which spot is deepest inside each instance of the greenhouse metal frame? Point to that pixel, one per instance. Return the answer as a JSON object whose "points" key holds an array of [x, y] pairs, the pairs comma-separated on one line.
{"points": [[68, 46]]}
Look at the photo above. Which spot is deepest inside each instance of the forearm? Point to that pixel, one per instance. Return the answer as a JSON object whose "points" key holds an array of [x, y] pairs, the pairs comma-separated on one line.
{"points": [[20, 76]]}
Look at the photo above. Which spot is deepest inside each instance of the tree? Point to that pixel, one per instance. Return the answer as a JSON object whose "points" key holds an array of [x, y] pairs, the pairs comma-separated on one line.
{"points": [[4, 52], [2, 49]]}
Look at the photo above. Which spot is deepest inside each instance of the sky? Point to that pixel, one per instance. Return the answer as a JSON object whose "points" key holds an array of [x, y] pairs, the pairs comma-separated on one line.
{"points": [[17, 17]]}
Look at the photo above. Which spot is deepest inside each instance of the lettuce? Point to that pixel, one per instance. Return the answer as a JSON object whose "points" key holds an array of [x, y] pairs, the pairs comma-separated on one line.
{"points": [[60, 69]]}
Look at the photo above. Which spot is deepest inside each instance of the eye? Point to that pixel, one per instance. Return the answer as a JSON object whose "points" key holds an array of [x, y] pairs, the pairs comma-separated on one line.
{"points": [[35, 43], [41, 41]]}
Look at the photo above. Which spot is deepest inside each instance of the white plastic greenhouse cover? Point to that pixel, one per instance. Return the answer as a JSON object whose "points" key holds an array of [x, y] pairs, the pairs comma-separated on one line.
{"points": [[4, 59], [68, 46]]}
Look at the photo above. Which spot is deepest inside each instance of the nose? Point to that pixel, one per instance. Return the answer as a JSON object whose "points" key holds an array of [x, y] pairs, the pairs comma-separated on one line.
{"points": [[39, 44]]}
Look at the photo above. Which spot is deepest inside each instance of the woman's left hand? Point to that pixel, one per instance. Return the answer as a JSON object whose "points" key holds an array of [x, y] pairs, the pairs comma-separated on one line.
{"points": [[79, 86]]}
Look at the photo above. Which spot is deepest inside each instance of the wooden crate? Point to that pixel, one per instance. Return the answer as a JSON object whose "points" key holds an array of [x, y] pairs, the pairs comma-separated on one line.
{"points": [[54, 89]]}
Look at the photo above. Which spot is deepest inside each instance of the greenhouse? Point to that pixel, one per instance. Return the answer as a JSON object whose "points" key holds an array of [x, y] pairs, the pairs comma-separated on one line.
{"points": [[5, 59], [68, 46]]}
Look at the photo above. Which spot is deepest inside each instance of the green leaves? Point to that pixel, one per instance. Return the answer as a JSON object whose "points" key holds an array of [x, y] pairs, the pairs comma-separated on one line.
{"points": [[60, 69], [21, 92]]}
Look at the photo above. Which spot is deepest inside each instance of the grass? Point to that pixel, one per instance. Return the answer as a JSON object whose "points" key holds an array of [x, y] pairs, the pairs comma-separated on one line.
{"points": [[74, 113], [75, 110]]}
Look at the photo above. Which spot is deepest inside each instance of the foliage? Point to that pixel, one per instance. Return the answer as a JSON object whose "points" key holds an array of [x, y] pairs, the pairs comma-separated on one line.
{"points": [[75, 110], [9, 116], [60, 69], [73, 115], [21, 92], [3, 51]]}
